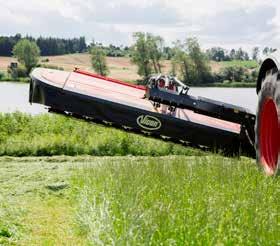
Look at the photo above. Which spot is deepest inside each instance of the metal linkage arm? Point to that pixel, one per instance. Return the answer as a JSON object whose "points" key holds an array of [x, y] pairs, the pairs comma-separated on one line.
{"points": [[205, 106]]}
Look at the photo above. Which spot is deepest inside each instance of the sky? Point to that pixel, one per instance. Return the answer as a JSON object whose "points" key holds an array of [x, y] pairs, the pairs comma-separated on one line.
{"points": [[225, 23]]}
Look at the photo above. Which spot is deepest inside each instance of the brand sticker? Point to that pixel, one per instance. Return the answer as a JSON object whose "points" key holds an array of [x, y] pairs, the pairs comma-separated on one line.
{"points": [[149, 122]]}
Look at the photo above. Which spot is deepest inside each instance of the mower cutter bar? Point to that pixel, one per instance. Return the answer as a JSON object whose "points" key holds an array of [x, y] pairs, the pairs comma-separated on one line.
{"points": [[117, 104]]}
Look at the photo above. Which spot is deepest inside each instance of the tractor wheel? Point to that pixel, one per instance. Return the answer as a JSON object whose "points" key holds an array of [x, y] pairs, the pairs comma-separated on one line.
{"points": [[267, 139]]}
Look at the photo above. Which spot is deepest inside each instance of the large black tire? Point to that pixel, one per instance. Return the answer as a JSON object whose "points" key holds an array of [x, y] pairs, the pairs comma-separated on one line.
{"points": [[267, 137]]}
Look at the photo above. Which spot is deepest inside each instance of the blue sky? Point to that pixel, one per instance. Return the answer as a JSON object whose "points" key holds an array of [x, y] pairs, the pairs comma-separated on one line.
{"points": [[226, 23]]}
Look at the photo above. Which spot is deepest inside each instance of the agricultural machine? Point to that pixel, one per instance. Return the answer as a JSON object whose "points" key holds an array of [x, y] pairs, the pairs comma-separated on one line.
{"points": [[166, 109], [267, 132]]}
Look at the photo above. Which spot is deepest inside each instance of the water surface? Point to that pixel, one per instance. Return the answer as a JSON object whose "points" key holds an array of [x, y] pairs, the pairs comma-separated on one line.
{"points": [[14, 97], [244, 97]]}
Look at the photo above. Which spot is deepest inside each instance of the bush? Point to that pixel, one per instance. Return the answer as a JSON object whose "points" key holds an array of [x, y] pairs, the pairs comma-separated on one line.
{"points": [[17, 72], [45, 60], [235, 74], [255, 75], [218, 77], [2, 75], [22, 72]]}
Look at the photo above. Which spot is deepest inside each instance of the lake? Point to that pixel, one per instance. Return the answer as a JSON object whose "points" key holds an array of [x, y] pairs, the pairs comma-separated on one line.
{"points": [[14, 97]]}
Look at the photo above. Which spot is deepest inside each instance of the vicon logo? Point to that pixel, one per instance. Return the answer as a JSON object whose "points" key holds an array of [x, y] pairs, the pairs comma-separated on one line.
{"points": [[149, 122]]}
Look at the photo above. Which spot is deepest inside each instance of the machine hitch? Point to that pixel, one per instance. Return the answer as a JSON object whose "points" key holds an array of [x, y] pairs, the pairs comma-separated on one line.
{"points": [[168, 90]]}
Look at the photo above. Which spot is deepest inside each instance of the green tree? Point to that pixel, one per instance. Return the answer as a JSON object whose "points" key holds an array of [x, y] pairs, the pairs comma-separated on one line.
{"points": [[27, 52], [216, 54], [98, 60], [140, 54], [255, 53], [241, 55], [182, 64], [232, 54], [191, 62], [266, 51], [155, 48], [168, 53], [202, 69], [147, 53]]}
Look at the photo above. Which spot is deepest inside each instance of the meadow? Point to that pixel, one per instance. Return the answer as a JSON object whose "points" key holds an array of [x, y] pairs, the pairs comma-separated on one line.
{"points": [[92, 185], [171, 200], [120, 67], [246, 64]]}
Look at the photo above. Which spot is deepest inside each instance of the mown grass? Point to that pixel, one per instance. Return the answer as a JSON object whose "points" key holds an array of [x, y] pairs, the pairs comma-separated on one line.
{"points": [[47, 135], [130, 200], [177, 201], [171, 200], [32, 212]]}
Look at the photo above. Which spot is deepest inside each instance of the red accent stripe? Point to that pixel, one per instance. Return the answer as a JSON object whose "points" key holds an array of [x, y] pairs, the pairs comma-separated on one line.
{"points": [[140, 87]]}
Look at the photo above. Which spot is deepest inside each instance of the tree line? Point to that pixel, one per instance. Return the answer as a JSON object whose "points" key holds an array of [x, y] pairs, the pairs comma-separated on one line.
{"points": [[58, 46], [148, 52], [221, 54], [189, 62], [48, 46]]}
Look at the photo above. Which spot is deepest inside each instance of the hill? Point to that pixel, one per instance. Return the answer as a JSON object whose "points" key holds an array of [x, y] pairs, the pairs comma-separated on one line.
{"points": [[120, 67]]}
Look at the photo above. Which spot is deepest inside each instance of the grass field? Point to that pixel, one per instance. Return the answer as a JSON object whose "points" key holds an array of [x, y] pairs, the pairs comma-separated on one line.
{"points": [[245, 64], [173, 200], [139, 191], [120, 67], [47, 135], [35, 204]]}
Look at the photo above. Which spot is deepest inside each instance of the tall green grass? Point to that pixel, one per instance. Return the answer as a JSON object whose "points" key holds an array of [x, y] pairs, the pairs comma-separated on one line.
{"points": [[177, 201], [47, 135]]}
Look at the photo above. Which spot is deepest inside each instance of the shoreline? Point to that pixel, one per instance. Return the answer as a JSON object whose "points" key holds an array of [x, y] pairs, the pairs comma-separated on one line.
{"points": [[213, 85]]}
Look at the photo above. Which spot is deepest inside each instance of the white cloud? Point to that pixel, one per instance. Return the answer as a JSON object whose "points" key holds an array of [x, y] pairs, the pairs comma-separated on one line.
{"points": [[214, 22]]}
